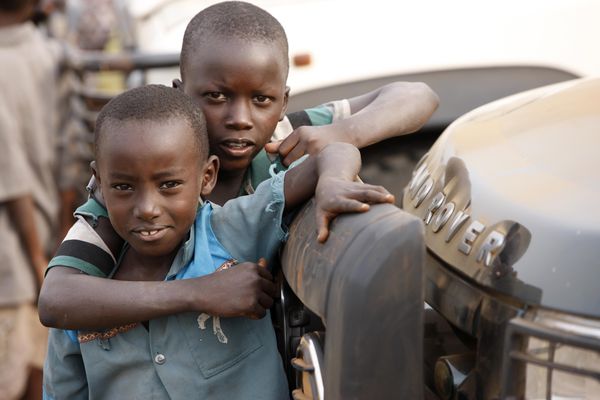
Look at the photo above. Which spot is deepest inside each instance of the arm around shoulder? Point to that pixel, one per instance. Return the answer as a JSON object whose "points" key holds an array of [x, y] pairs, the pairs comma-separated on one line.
{"points": [[70, 299], [392, 110]]}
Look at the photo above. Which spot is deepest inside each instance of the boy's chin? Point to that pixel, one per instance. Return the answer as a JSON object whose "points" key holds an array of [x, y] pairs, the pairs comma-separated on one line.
{"points": [[233, 167], [150, 250], [157, 248]]}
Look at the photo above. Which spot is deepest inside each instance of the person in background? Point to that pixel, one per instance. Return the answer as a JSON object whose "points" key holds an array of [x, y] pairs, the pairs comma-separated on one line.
{"points": [[28, 195]]}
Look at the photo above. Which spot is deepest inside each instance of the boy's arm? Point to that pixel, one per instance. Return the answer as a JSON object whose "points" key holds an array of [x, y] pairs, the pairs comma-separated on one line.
{"points": [[73, 300], [392, 110]]}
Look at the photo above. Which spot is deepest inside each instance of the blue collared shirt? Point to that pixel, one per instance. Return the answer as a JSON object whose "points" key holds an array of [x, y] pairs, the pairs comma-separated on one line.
{"points": [[190, 355]]}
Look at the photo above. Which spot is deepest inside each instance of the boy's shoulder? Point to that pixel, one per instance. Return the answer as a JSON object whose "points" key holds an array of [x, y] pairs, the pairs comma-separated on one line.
{"points": [[323, 114], [250, 227]]}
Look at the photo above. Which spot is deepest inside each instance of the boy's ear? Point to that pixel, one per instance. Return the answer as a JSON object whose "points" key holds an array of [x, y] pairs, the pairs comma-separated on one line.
{"points": [[209, 175], [177, 84], [286, 96], [94, 168]]}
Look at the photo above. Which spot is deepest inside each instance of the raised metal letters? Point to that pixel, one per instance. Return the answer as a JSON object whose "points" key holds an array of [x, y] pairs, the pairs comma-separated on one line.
{"points": [[459, 219], [423, 192], [470, 236], [440, 211], [494, 242], [442, 217], [436, 203], [417, 180]]}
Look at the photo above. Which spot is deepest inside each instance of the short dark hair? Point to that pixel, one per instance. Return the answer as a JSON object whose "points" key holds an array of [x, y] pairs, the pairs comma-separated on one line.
{"points": [[233, 19], [153, 103]]}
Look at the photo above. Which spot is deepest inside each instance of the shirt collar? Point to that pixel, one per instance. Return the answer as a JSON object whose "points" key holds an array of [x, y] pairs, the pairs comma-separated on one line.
{"points": [[186, 251], [184, 255]]}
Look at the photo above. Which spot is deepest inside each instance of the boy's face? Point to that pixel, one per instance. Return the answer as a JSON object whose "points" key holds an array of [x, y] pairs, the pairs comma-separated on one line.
{"points": [[240, 87], [151, 177]]}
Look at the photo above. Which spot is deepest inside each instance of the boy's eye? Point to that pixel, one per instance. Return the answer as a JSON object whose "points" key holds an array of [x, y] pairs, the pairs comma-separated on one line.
{"points": [[262, 99], [122, 186], [215, 96], [170, 184]]}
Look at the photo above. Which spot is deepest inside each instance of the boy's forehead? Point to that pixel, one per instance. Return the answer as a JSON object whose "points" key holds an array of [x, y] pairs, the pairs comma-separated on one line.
{"points": [[132, 132], [211, 54], [140, 125]]}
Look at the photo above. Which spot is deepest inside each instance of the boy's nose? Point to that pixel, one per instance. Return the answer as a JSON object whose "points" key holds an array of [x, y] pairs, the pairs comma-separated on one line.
{"points": [[240, 116], [146, 208]]}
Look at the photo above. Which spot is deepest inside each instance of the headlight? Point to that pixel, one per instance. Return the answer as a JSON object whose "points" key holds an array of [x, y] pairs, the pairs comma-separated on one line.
{"points": [[557, 354]]}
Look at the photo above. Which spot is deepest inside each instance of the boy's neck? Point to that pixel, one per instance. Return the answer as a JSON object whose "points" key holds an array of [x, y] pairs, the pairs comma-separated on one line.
{"points": [[138, 267], [228, 186]]}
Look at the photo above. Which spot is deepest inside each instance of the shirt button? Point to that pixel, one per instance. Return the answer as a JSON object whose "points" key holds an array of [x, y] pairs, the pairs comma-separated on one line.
{"points": [[160, 359]]}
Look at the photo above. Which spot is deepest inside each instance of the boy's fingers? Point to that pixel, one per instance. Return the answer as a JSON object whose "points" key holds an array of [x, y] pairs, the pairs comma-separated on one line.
{"points": [[269, 287], [273, 147], [377, 188], [323, 234], [348, 205], [368, 193], [340, 206], [257, 312], [265, 301], [368, 187], [295, 154], [323, 227], [288, 144], [264, 272], [373, 196]]}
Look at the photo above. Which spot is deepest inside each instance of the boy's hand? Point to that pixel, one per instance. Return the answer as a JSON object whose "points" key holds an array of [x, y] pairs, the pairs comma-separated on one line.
{"points": [[246, 290], [335, 196], [304, 140]]}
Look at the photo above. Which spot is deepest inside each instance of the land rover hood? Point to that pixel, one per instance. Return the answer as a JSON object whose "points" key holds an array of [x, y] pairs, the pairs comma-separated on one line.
{"points": [[510, 195]]}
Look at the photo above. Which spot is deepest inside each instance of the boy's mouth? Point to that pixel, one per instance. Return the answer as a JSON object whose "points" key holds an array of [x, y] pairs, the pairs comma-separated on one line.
{"points": [[237, 147], [150, 234]]}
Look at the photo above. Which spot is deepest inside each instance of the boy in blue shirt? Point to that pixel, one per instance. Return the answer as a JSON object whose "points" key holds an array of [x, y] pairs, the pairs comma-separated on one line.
{"points": [[153, 168], [234, 64]]}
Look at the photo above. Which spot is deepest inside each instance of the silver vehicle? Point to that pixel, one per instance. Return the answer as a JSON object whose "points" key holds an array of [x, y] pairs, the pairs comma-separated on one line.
{"points": [[508, 201], [509, 195]]}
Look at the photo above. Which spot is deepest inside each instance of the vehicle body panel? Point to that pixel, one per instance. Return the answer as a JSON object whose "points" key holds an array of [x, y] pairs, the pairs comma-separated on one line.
{"points": [[526, 167]]}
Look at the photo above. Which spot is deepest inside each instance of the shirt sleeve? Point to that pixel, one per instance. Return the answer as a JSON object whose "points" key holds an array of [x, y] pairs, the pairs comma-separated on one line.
{"points": [[250, 227], [64, 372], [327, 113], [324, 114], [82, 248]]}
